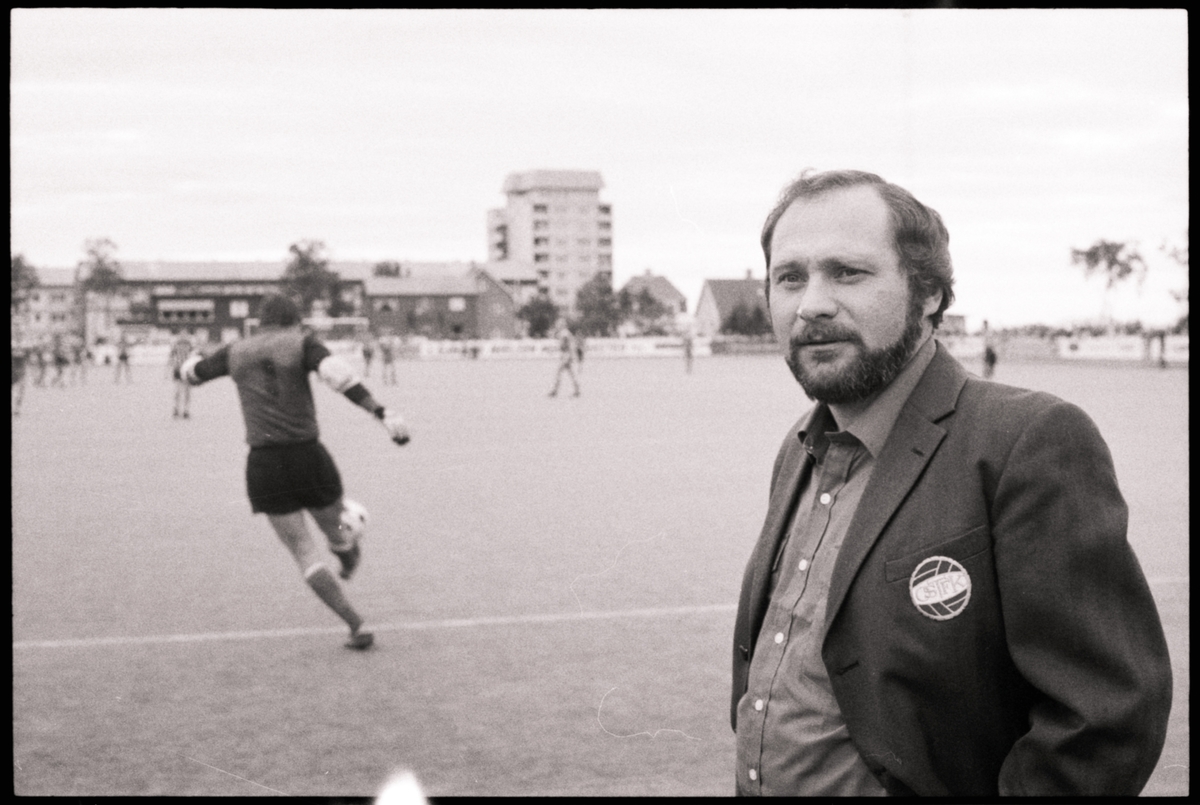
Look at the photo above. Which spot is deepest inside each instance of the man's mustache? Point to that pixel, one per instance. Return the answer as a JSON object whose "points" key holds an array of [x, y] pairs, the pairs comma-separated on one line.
{"points": [[820, 334]]}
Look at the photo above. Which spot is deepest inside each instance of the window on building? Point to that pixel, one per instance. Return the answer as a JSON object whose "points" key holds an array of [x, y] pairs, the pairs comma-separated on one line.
{"points": [[541, 241], [539, 225], [604, 259], [456, 304], [239, 309], [605, 209], [604, 226], [539, 207], [585, 258], [603, 241], [541, 257], [584, 242]]}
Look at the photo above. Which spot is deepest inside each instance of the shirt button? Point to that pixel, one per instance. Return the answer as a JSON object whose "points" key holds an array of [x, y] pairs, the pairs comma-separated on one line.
{"points": [[753, 774], [804, 564], [825, 498], [758, 704], [779, 637]]}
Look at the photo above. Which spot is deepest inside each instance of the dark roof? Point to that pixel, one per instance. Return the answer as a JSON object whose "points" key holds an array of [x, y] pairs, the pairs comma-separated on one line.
{"points": [[728, 293], [660, 288]]}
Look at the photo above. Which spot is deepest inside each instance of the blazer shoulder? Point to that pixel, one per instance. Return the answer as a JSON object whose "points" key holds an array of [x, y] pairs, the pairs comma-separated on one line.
{"points": [[995, 408]]}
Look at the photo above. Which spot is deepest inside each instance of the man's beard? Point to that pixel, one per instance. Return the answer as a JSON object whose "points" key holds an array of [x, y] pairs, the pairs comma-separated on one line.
{"points": [[869, 371]]}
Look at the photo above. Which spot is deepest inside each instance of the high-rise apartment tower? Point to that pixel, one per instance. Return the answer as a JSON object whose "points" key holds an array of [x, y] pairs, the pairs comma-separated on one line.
{"points": [[555, 225]]}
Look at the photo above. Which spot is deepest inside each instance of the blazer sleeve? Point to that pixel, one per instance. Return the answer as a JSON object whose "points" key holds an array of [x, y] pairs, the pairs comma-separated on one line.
{"points": [[1079, 618]]}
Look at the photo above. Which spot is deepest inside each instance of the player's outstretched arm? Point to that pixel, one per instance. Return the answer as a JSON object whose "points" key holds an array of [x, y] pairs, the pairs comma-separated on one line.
{"points": [[340, 376], [198, 369]]}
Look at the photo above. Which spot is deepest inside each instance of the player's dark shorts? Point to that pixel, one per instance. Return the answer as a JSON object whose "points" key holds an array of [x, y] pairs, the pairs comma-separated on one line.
{"points": [[282, 479]]}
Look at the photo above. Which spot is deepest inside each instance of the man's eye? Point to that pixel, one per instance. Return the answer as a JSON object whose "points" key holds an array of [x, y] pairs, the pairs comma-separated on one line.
{"points": [[790, 277]]}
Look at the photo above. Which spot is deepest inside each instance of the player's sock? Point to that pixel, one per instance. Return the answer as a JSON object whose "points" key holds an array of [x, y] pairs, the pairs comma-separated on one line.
{"points": [[323, 583]]}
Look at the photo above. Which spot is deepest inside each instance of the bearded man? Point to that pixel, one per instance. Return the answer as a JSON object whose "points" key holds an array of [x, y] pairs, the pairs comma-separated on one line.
{"points": [[942, 600]]}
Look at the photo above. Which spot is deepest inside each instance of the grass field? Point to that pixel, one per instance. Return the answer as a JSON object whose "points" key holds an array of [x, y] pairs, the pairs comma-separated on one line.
{"points": [[552, 581]]}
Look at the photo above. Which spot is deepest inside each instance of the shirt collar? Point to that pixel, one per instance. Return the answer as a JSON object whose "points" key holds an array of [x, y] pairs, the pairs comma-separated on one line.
{"points": [[873, 426]]}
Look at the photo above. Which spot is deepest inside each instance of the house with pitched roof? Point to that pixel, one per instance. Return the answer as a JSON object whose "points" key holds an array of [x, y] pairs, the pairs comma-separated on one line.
{"points": [[660, 288], [719, 298], [441, 301]]}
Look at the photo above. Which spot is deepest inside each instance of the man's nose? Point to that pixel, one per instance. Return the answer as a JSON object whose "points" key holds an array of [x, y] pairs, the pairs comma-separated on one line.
{"points": [[818, 301]]}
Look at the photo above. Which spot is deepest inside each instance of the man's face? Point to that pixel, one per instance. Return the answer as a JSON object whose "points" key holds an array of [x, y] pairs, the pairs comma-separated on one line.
{"points": [[840, 303]]}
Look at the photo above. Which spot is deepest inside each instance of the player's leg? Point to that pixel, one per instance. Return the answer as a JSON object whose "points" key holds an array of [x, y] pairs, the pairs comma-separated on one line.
{"points": [[344, 545], [574, 380], [293, 533], [557, 378], [282, 481]]}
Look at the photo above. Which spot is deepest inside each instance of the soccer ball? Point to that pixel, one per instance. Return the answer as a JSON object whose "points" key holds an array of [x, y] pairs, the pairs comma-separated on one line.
{"points": [[353, 521]]}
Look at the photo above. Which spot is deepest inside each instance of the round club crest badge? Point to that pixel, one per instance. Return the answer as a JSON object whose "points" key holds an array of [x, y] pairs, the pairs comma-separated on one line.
{"points": [[940, 588]]}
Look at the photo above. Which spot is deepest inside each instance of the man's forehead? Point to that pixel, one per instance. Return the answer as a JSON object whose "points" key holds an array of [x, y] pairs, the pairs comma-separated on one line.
{"points": [[854, 222]]}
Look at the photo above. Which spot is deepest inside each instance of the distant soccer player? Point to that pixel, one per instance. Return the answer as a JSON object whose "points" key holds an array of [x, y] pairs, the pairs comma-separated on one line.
{"points": [[387, 354], [288, 470], [368, 352], [20, 356], [79, 355], [180, 350], [568, 356], [123, 359], [61, 362]]}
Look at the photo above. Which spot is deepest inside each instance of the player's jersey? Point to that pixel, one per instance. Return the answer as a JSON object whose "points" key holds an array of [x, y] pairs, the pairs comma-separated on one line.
{"points": [[179, 352], [567, 347], [271, 372]]}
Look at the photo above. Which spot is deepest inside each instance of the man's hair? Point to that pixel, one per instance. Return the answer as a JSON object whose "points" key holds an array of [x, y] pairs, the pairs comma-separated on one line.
{"points": [[919, 237], [278, 310]]}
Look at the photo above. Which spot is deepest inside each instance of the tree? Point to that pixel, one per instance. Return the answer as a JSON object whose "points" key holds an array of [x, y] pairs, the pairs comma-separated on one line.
{"points": [[746, 320], [1114, 260], [24, 280], [99, 273], [540, 314], [599, 314], [644, 310], [309, 278], [1180, 255]]}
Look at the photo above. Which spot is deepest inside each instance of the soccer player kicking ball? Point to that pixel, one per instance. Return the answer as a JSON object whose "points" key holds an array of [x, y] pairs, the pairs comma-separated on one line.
{"points": [[288, 470]]}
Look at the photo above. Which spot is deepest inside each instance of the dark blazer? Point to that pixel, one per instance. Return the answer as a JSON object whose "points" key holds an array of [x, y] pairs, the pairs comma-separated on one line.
{"points": [[1054, 678]]}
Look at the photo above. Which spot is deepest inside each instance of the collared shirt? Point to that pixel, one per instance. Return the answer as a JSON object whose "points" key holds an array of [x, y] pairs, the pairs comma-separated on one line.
{"points": [[791, 737]]}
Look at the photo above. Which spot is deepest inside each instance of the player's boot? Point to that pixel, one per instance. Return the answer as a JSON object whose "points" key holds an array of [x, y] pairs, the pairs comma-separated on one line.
{"points": [[361, 638], [349, 559]]}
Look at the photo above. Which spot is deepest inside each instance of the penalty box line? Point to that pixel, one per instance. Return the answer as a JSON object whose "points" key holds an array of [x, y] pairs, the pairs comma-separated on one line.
{"points": [[455, 623]]}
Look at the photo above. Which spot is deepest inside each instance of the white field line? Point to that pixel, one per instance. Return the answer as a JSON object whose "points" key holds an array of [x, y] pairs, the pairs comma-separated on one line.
{"points": [[415, 626], [459, 623]]}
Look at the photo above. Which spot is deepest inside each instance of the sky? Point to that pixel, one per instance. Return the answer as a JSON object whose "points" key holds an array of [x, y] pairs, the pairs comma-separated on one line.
{"points": [[217, 134]]}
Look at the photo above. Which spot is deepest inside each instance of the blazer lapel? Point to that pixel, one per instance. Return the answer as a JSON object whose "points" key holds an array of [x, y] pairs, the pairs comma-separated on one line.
{"points": [[913, 440]]}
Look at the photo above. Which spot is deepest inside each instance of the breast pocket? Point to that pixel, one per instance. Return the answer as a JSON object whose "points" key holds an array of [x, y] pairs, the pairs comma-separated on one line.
{"points": [[939, 579], [960, 548]]}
